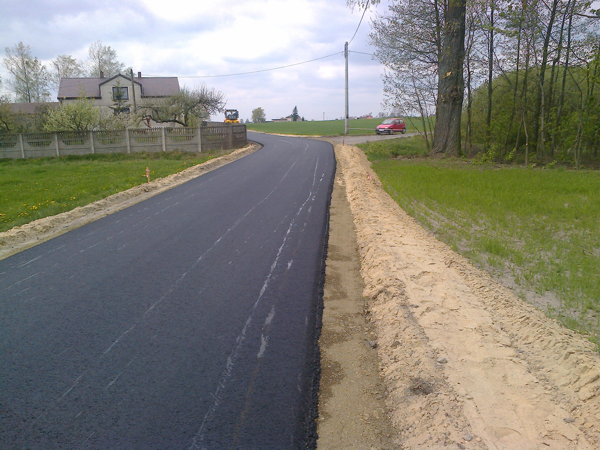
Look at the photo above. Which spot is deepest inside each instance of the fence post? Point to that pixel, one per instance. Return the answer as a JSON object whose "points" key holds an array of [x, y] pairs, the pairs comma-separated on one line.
{"points": [[92, 142], [56, 144], [164, 139], [21, 146], [200, 139], [127, 140], [230, 137]]}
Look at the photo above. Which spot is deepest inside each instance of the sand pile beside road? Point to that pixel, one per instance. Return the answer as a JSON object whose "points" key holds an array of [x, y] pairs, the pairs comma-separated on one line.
{"points": [[28, 235], [467, 363]]}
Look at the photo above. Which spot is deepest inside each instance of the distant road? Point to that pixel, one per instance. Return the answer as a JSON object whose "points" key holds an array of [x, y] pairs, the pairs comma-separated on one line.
{"points": [[185, 321], [353, 140]]}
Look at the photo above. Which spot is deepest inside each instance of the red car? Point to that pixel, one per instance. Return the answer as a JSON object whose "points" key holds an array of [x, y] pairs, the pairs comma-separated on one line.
{"points": [[391, 126]]}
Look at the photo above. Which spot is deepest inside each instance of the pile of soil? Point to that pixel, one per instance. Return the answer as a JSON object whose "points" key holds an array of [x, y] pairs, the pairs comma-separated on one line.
{"points": [[467, 364]]}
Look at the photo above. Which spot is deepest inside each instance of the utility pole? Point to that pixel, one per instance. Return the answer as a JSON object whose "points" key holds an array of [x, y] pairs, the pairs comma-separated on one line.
{"points": [[346, 127], [133, 92]]}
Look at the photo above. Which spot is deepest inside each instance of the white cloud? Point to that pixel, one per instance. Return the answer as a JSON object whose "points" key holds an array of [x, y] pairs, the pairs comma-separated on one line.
{"points": [[198, 38]]}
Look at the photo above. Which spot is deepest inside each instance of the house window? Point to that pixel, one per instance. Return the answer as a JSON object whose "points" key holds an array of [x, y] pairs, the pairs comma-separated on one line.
{"points": [[120, 93]]}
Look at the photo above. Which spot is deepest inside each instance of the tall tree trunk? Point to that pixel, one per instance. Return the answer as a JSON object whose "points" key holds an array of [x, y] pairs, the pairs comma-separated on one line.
{"points": [[516, 85], [523, 99], [446, 138], [469, 38], [469, 137], [561, 100], [539, 111], [596, 62], [553, 79], [422, 112], [488, 119], [526, 140]]}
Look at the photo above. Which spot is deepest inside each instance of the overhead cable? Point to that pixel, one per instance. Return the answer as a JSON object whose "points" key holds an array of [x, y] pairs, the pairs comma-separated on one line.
{"points": [[258, 71], [361, 19]]}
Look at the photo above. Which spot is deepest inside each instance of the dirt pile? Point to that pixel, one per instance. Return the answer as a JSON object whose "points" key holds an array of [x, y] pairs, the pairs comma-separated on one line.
{"points": [[467, 363], [28, 235]]}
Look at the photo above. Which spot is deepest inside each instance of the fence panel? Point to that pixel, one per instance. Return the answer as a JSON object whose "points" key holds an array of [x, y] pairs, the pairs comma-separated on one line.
{"points": [[110, 141], [182, 139], [74, 143], [10, 146], [214, 135], [240, 136], [39, 145], [146, 140]]}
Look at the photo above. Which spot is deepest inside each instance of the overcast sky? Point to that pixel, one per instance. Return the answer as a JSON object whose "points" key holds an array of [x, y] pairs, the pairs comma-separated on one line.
{"points": [[196, 39]]}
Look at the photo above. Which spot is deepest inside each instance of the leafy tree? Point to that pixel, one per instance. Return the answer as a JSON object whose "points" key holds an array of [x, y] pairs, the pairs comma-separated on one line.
{"points": [[31, 80], [258, 115], [188, 108], [103, 58], [6, 116], [7, 123], [65, 66], [295, 115], [80, 115]]}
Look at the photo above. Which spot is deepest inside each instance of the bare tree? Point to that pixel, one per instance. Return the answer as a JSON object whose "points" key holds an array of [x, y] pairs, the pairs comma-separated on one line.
{"points": [[103, 59], [408, 43], [30, 80], [65, 66], [188, 108]]}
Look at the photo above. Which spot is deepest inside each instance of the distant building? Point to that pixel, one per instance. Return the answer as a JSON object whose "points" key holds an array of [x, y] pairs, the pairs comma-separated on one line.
{"points": [[27, 114], [105, 91]]}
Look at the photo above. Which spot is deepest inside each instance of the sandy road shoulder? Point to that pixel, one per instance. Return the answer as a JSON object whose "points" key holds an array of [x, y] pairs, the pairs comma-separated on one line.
{"points": [[33, 233], [467, 363]]}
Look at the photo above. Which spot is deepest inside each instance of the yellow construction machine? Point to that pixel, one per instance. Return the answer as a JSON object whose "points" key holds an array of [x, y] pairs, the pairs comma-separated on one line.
{"points": [[232, 116]]}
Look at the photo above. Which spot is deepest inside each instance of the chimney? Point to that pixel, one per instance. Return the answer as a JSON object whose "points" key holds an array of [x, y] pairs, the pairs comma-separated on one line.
{"points": [[139, 74], [101, 74]]}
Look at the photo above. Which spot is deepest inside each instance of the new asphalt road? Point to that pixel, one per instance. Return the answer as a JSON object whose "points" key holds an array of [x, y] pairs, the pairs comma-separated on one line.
{"points": [[186, 321]]}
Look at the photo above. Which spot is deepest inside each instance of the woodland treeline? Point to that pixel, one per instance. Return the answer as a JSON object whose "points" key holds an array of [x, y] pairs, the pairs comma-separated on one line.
{"points": [[531, 75]]}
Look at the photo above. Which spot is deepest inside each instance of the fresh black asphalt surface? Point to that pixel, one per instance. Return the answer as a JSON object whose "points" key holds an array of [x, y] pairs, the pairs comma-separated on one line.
{"points": [[187, 321]]}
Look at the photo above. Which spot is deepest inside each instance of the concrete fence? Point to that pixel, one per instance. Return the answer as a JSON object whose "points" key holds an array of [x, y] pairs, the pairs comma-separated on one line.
{"points": [[213, 136]]}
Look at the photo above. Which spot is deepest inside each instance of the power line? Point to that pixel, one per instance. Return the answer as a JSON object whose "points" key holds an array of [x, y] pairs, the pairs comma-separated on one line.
{"points": [[361, 19], [361, 53], [258, 71]]}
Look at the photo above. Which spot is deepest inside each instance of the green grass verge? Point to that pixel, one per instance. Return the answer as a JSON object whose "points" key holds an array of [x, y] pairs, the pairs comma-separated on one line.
{"points": [[31, 189], [538, 229], [395, 148], [322, 127]]}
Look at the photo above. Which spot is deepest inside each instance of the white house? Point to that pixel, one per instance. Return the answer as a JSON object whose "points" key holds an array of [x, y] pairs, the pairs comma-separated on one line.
{"points": [[104, 91]]}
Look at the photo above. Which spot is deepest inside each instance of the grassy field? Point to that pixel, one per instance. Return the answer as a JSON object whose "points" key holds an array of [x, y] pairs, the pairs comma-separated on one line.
{"points": [[321, 127], [533, 228], [34, 188]]}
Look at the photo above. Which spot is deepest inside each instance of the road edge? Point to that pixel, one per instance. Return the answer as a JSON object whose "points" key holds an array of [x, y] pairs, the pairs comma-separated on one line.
{"points": [[33, 233]]}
